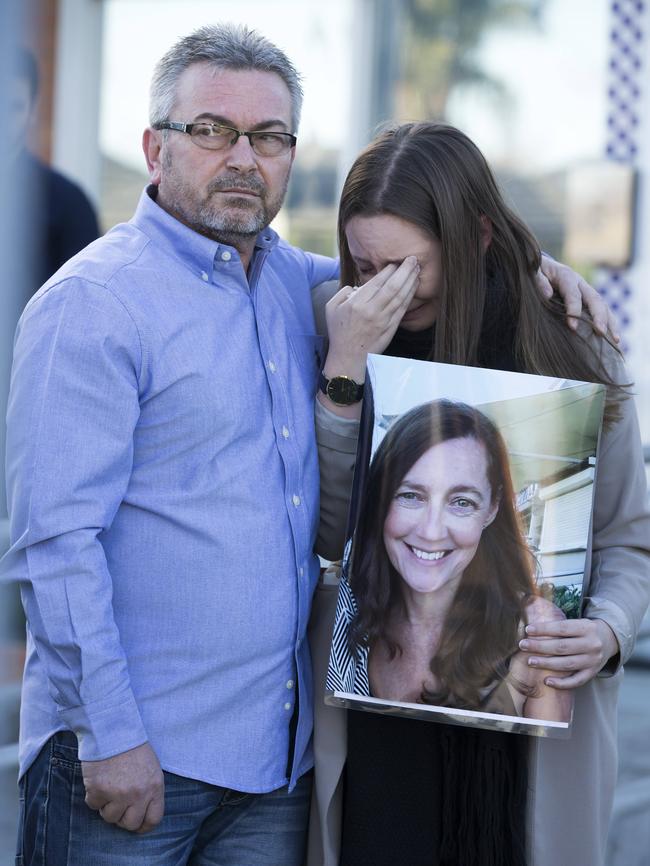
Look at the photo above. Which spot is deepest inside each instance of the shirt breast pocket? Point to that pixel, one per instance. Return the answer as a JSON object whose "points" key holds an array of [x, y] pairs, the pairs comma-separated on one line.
{"points": [[307, 351]]}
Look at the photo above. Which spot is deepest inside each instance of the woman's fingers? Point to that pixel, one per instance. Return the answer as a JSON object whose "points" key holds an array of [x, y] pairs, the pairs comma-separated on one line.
{"points": [[400, 293], [394, 287], [391, 283], [572, 681], [566, 670], [577, 648], [390, 277], [363, 319], [343, 295], [560, 638], [384, 300]]}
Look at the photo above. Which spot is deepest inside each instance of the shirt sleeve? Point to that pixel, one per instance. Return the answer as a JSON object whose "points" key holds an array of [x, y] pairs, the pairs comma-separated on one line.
{"points": [[72, 412], [336, 438], [337, 448], [321, 269], [619, 587]]}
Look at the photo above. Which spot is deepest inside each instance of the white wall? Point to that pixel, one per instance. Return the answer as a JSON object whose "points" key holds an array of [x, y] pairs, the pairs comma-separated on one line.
{"points": [[75, 148]]}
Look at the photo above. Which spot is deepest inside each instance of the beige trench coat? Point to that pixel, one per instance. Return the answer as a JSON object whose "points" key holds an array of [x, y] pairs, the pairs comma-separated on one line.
{"points": [[572, 781]]}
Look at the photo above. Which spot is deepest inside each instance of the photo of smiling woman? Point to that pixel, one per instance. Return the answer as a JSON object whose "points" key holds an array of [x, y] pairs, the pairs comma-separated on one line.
{"points": [[441, 582]]}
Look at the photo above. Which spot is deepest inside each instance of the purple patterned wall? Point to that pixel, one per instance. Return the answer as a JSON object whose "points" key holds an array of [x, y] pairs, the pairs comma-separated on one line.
{"points": [[627, 77]]}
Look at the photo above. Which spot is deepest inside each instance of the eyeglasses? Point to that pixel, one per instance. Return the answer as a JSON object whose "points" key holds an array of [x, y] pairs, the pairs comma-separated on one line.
{"points": [[214, 136]]}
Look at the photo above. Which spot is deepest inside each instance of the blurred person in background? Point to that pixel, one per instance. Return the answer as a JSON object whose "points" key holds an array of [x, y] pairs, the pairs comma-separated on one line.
{"points": [[54, 215], [163, 491]]}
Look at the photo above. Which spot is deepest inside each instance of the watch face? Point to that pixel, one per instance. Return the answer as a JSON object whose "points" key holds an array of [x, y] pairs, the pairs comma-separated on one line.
{"points": [[343, 391]]}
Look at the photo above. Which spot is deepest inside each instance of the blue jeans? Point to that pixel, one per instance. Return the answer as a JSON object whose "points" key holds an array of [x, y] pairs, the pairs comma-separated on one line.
{"points": [[204, 825]]}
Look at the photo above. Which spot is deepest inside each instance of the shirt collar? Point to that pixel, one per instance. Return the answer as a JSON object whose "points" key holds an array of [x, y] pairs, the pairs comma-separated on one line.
{"points": [[194, 250]]}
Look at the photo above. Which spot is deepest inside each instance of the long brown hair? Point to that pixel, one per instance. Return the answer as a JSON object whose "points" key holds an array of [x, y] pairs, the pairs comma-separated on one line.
{"points": [[434, 176], [480, 630]]}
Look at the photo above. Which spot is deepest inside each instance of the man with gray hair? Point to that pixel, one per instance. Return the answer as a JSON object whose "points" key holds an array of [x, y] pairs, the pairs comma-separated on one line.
{"points": [[163, 489], [163, 486]]}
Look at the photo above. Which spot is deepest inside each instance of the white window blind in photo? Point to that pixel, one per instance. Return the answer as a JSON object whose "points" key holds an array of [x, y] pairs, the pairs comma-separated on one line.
{"points": [[566, 521]]}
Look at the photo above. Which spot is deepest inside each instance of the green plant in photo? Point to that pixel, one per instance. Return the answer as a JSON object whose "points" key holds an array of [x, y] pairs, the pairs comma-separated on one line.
{"points": [[568, 598]]}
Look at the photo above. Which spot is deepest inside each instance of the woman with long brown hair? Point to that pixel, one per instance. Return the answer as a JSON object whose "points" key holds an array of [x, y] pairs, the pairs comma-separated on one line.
{"points": [[441, 580], [436, 266]]}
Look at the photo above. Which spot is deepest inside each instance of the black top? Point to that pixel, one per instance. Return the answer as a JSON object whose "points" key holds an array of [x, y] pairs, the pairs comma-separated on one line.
{"points": [[420, 793]]}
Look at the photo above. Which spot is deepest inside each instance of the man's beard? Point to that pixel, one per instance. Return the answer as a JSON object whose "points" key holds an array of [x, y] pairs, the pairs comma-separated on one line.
{"points": [[241, 218]]}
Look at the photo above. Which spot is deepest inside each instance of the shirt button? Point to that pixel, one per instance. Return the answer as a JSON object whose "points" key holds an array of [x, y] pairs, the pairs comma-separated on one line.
{"points": [[272, 367], [226, 255], [295, 499], [287, 706], [301, 571], [289, 684], [204, 277], [285, 432]]}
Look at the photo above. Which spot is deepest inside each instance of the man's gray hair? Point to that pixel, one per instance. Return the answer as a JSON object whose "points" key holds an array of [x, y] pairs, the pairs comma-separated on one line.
{"points": [[225, 46]]}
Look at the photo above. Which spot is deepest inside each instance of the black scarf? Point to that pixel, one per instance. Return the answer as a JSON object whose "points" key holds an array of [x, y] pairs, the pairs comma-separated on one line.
{"points": [[496, 340]]}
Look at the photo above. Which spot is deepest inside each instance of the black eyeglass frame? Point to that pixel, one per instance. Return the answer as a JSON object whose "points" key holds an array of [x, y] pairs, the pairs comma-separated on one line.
{"points": [[237, 133]]}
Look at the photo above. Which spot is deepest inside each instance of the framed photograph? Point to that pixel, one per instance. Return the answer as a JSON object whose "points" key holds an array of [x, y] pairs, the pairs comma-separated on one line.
{"points": [[470, 518]]}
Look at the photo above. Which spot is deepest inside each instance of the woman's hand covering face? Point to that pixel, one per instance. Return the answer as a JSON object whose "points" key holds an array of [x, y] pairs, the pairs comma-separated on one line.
{"points": [[364, 319]]}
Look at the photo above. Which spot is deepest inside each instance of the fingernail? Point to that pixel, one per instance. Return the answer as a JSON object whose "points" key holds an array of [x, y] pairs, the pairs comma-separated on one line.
{"points": [[533, 662], [531, 629], [524, 644]]}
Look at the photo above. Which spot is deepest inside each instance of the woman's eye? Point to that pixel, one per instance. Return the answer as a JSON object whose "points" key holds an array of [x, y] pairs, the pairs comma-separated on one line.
{"points": [[464, 504], [409, 497]]}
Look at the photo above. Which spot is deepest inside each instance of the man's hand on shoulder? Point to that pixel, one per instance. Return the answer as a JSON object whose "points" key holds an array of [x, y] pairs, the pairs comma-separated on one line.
{"points": [[127, 789], [578, 296]]}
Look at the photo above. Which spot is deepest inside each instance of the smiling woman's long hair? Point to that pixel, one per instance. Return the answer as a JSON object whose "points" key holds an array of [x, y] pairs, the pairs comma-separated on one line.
{"points": [[434, 176], [480, 631]]}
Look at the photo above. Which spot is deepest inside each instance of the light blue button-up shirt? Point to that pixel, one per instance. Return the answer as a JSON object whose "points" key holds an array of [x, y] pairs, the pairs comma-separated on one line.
{"points": [[163, 491]]}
